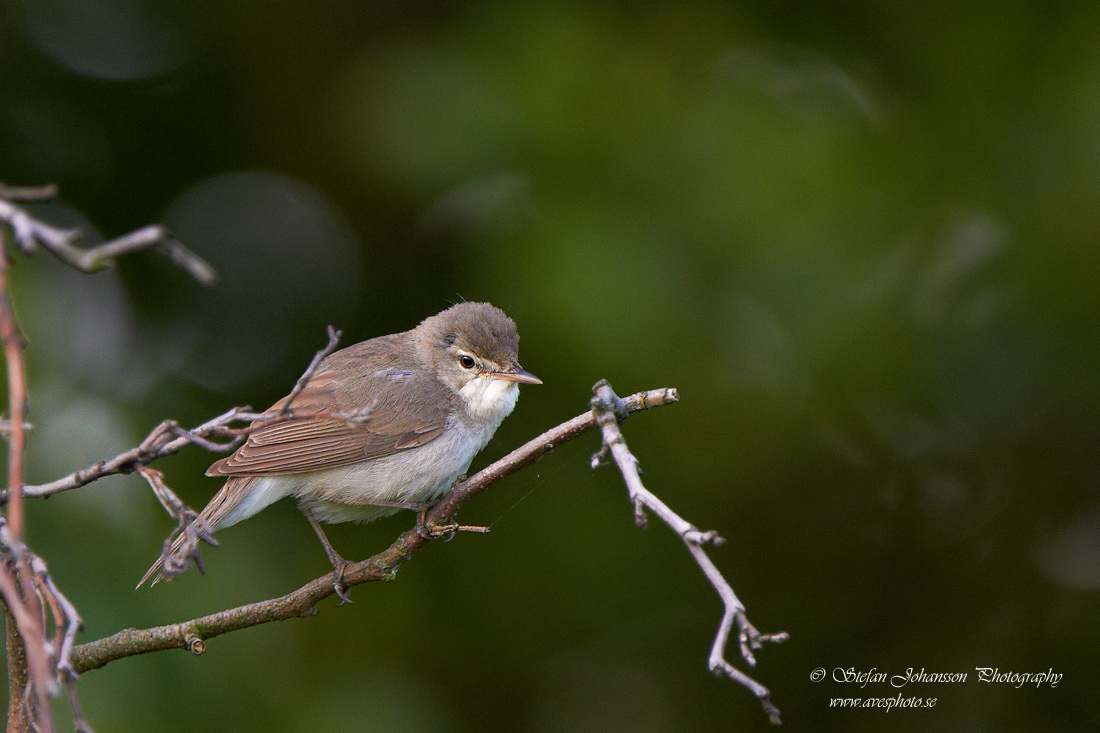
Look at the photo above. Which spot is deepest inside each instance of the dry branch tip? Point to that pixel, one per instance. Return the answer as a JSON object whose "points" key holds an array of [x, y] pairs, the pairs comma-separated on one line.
{"points": [[606, 413]]}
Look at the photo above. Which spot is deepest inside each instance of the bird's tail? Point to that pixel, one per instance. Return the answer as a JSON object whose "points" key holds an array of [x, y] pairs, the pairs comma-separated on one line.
{"points": [[183, 550], [156, 571]]}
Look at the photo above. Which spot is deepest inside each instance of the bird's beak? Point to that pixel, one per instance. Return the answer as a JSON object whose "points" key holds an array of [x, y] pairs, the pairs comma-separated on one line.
{"points": [[517, 374]]}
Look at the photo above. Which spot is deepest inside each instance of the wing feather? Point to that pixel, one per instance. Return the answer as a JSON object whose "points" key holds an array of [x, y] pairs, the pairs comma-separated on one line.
{"points": [[353, 409]]}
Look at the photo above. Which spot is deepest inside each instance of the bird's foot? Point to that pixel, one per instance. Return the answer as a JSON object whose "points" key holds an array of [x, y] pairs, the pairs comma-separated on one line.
{"points": [[431, 530], [339, 566]]}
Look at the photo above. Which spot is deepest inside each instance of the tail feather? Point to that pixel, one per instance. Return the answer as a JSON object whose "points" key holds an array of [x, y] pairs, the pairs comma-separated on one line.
{"points": [[155, 571], [183, 549]]}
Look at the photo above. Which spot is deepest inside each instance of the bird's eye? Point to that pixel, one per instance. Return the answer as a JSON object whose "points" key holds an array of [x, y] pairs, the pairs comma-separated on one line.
{"points": [[466, 361]]}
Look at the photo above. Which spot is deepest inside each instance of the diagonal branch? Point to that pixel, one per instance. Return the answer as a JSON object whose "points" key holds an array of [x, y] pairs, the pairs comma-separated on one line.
{"points": [[333, 339], [609, 410], [191, 526], [192, 635]]}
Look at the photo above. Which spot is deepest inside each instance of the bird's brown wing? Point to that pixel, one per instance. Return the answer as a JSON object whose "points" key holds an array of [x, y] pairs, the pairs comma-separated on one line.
{"points": [[357, 406]]}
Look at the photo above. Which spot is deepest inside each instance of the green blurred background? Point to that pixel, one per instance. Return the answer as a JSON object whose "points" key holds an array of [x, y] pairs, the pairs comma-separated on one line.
{"points": [[855, 235]]}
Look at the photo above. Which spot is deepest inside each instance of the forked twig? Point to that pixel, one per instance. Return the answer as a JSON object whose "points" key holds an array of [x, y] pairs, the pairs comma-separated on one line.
{"points": [[45, 654], [31, 233], [190, 525], [67, 624], [609, 411]]}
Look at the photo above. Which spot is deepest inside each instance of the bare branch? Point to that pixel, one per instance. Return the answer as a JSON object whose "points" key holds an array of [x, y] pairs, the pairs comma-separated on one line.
{"points": [[608, 410], [28, 193], [190, 525], [31, 670], [17, 398], [168, 438], [53, 655], [193, 634], [30, 233], [165, 439], [333, 339], [67, 624], [36, 661], [17, 671], [16, 586]]}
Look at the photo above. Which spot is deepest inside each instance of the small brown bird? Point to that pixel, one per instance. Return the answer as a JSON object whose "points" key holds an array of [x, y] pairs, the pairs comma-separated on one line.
{"points": [[385, 424]]}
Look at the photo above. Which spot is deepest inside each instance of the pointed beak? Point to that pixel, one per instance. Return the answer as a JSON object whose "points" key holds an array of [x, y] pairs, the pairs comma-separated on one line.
{"points": [[517, 374]]}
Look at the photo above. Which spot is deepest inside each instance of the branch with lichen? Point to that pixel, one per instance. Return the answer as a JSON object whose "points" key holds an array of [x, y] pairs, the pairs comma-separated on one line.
{"points": [[192, 635]]}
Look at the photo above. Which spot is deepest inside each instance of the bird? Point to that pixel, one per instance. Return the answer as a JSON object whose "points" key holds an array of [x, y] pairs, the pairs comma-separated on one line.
{"points": [[382, 425]]}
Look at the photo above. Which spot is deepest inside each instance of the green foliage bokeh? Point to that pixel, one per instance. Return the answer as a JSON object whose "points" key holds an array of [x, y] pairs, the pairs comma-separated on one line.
{"points": [[855, 236]]}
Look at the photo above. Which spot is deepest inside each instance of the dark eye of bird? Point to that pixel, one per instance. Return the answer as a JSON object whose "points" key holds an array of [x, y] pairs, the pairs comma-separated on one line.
{"points": [[466, 361]]}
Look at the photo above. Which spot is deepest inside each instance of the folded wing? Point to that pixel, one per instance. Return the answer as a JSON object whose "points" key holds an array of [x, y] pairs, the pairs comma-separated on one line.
{"points": [[345, 415]]}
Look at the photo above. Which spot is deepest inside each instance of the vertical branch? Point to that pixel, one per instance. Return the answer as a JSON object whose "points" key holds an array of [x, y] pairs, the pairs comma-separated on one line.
{"points": [[37, 656], [17, 673], [30, 670], [17, 401], [32, 665]]}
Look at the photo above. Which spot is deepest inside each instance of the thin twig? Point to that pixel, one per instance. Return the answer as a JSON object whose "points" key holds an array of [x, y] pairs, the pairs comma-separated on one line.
{"points": [[6, 427], [68, 624], [333, 339], [608, 411], [28, 193], [168, 438], [30, 233], [190, 525], [17, 399], [192, 634]]}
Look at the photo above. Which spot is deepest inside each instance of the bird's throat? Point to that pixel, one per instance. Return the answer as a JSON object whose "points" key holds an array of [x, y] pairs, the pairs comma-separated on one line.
{"points": [[488, 399]]}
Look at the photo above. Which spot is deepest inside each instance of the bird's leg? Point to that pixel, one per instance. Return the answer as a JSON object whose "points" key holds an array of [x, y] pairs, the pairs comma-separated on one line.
{"points": [[338, 563]]}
